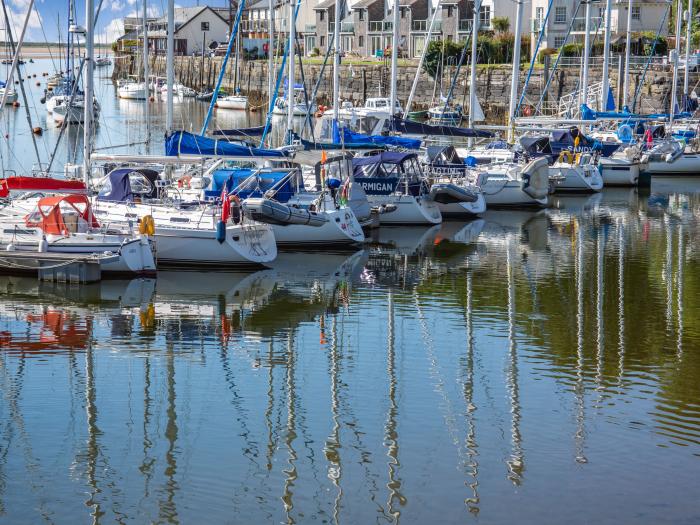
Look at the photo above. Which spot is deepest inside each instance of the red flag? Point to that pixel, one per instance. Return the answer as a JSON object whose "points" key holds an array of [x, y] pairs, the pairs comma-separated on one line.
{"points": [[225, 206]]}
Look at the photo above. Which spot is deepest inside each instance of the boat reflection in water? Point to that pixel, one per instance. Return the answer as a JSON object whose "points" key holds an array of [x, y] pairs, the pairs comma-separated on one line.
{"points": [[462, 370]]}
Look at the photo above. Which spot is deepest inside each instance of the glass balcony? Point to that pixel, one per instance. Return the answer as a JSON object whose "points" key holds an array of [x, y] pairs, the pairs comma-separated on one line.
{"points": [[465, 24]]}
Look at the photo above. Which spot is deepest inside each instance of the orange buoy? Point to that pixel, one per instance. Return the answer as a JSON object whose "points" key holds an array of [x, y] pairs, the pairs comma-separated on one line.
{"points": [[15, 104], [216, 105], [38, 130], [38, 83], [151, 99], [49, 88]]}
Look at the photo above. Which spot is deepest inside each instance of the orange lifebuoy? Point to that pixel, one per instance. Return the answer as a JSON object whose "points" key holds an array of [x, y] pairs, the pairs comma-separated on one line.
{"points": [[527, 111]]}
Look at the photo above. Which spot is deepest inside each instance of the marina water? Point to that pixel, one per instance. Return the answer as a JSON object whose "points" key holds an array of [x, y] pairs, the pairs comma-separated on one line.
{"points": [[538, 367]]}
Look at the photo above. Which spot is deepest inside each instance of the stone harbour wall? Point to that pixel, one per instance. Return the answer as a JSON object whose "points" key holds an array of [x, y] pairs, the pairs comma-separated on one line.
{"points": [[359, 82]]}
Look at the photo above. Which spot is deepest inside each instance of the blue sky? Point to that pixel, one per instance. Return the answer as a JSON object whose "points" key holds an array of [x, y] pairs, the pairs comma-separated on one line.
{"points": [[109, 23]]}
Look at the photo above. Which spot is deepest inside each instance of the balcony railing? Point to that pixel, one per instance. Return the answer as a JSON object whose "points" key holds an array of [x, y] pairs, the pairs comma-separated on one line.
{"points": [[253, 26], [580, 24], [379, 26], [345, 27], [421, 26]]}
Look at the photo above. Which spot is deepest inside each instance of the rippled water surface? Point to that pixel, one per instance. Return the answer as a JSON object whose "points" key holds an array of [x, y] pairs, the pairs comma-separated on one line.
{"points": [[530, 367]]}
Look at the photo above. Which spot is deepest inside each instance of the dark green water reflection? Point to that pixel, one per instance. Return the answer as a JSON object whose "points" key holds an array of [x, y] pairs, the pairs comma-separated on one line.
{"points": [[531, 367]]}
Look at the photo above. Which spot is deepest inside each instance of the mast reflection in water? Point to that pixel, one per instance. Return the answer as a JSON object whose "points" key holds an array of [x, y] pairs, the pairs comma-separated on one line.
{"points": [[530, 366]]}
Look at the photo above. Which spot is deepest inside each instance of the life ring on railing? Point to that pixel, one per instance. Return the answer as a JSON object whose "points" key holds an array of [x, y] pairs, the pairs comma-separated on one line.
{"points": [[184, 182], [147, 226], [527, 111], [566, 156]]}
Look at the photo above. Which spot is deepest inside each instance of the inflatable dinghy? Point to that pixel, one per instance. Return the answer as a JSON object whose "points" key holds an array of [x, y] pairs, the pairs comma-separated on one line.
{"points": [[272, 212]]}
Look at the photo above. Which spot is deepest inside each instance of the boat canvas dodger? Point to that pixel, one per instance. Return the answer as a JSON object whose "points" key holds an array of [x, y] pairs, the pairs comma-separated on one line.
{"points": [[278, 197], [67, 225], [396, 179], [184, 237]]}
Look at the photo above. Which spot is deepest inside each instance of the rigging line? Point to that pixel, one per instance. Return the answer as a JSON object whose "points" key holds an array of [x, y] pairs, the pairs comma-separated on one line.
{"points": [[648, 61], [43, 32], [11, 39], [65, 121], [534, 56], [556, 62]]}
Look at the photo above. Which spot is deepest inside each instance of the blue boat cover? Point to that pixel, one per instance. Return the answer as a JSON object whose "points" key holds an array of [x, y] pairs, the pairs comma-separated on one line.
{"points": [[353, 138], [256, 131], [182, 142], [119, 189], [417, 128], [232, 178], [589, 114]]}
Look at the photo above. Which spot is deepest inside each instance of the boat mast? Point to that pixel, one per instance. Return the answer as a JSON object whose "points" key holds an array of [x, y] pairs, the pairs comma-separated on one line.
{"points": [[409, 103], [290, 75], [170, 67], [688, 36], [144, 26], [15, 59], [606, 56], [515, 80], [674, 84], [11, 42], [627, 54], [472, 66], [270, 51], [87, 100], [394, 57], [336, 63], [586, 53]]}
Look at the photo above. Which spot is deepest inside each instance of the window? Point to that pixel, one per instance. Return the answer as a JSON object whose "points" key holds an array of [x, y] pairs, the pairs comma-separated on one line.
{"points": [[321, 15], [560, 15], [636, 12], [403, 13], [449, 11], [361, 41], [205, 26], [485, 16], [323, 41], [559, 41], [361, 14]]}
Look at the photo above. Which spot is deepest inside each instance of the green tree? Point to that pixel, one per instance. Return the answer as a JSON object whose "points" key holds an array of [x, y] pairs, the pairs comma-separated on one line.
{"points": [[501, 24]]}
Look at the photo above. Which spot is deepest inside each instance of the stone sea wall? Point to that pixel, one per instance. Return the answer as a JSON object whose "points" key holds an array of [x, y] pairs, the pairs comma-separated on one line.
{"points": [[368, 80]]}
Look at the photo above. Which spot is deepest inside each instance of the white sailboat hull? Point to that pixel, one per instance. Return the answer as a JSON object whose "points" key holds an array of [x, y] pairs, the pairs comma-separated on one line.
{"points": [[341, 229], [685, 164], [463, 209], [132, 92], [509, 193], [196, 245], [240, 103], [619, 172], [247, 246], [409, 209], [577, 178]]}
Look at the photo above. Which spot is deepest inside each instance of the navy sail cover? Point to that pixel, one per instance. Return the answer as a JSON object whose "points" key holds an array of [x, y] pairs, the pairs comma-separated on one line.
{"points": [[184, 143]]}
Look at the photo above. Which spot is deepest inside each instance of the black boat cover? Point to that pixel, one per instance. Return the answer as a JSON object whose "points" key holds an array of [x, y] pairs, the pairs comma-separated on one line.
{"points": [[417, 128]]}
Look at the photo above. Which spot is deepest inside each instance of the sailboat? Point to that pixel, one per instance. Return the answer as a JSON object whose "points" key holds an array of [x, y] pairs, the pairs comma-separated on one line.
{"points": [[235, 101]]}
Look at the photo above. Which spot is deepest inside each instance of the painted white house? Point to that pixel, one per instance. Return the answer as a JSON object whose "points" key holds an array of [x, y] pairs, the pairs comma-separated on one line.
{"points": [[646, 16], [195, 28]]}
